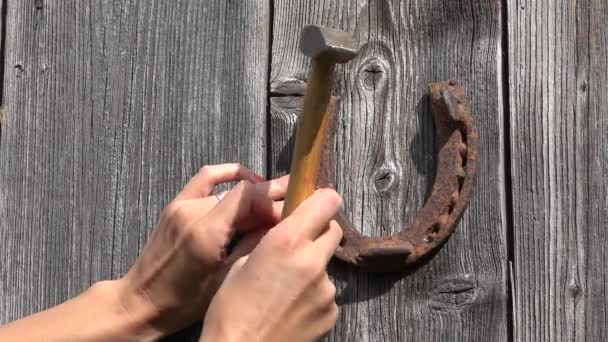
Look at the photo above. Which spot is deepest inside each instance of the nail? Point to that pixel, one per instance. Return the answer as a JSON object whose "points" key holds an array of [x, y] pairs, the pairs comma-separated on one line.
{"points": [[259, 177]]}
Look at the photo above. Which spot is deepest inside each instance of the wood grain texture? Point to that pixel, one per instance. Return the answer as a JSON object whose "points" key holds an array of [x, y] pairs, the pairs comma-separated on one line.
{"points": [[386, 160], [2, 108], [558, 75], [112, 106], [3, 269]]}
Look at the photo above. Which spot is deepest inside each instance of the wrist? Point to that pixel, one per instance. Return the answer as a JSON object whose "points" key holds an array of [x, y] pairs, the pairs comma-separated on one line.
{"points": [[95, 315], [132, 317], [216, 331], [216, 336]]}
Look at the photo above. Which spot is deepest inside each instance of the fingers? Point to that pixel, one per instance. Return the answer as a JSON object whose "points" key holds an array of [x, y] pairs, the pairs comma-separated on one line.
{"points": [[328, 241], [312, 217], [276, 189], [277, 210], [248, 204], [203, 183], [239, 203]]}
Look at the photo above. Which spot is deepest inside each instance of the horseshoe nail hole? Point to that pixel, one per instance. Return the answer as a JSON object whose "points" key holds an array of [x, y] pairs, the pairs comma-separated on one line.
{"points": [[429, 239], [459, 160], [451, 207], [454, 196], [435, 229], [462, 149], [460, 174]]}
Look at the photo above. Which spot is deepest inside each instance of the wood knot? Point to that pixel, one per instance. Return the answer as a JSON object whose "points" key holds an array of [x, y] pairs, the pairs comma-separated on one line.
{"points": [[288, 94], [374, 66], [453, 294], [19, 70], [575, 291], [373, 73], [384, 179], [574, 287]]}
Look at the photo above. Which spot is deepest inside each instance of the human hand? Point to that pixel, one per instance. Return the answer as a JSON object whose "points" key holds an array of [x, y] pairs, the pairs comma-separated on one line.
{"points": [[185, 259], [281, 291]]}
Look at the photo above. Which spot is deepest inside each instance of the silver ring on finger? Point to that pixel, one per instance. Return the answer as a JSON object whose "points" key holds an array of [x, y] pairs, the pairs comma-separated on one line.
{"points": [[220, 196]]}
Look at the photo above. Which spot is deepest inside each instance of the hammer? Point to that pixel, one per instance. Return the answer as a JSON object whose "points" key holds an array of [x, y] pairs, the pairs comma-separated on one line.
{"points": [[326, 47]]}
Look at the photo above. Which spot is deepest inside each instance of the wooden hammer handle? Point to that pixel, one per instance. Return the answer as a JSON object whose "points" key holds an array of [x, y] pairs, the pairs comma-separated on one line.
{"points": [[310, 136]]}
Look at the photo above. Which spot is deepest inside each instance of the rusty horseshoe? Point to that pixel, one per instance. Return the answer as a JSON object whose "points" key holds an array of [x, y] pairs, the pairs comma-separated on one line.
{"points": [[457, 165]]}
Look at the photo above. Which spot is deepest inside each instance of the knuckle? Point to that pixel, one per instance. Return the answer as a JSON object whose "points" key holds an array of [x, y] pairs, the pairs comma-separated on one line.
{"points": [[181, 217], [205, 170], [312, 268], [327, 293], [335, 226], [244, 186], [333, 314], [331, 292], [207, 242], [172, 209], [334, 199], [177, 214], [283, 239]]}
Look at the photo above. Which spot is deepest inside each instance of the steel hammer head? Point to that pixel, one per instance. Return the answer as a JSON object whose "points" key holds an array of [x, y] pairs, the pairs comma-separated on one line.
{"points": [[333, 45]]}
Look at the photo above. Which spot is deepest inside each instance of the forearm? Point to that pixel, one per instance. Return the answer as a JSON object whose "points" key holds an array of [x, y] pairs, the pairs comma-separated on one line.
{"points": [[95, 315]]}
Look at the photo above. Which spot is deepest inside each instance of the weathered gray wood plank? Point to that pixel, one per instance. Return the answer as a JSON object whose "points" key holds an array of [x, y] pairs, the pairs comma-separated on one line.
{"points": [[2, 122], [558, 108], [112, 106], [385, 158]]}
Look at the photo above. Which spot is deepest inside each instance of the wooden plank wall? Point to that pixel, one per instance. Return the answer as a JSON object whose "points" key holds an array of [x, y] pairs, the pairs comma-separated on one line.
{"points": [[385, 166], [112, 106], [559, 133]]}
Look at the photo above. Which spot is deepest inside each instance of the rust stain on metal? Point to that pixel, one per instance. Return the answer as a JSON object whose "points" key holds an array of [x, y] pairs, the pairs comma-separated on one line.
{"points": [[457, 165]]}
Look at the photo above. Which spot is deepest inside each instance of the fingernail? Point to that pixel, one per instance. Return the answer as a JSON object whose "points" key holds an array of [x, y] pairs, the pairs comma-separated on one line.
{"points": [[259, 177]]}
